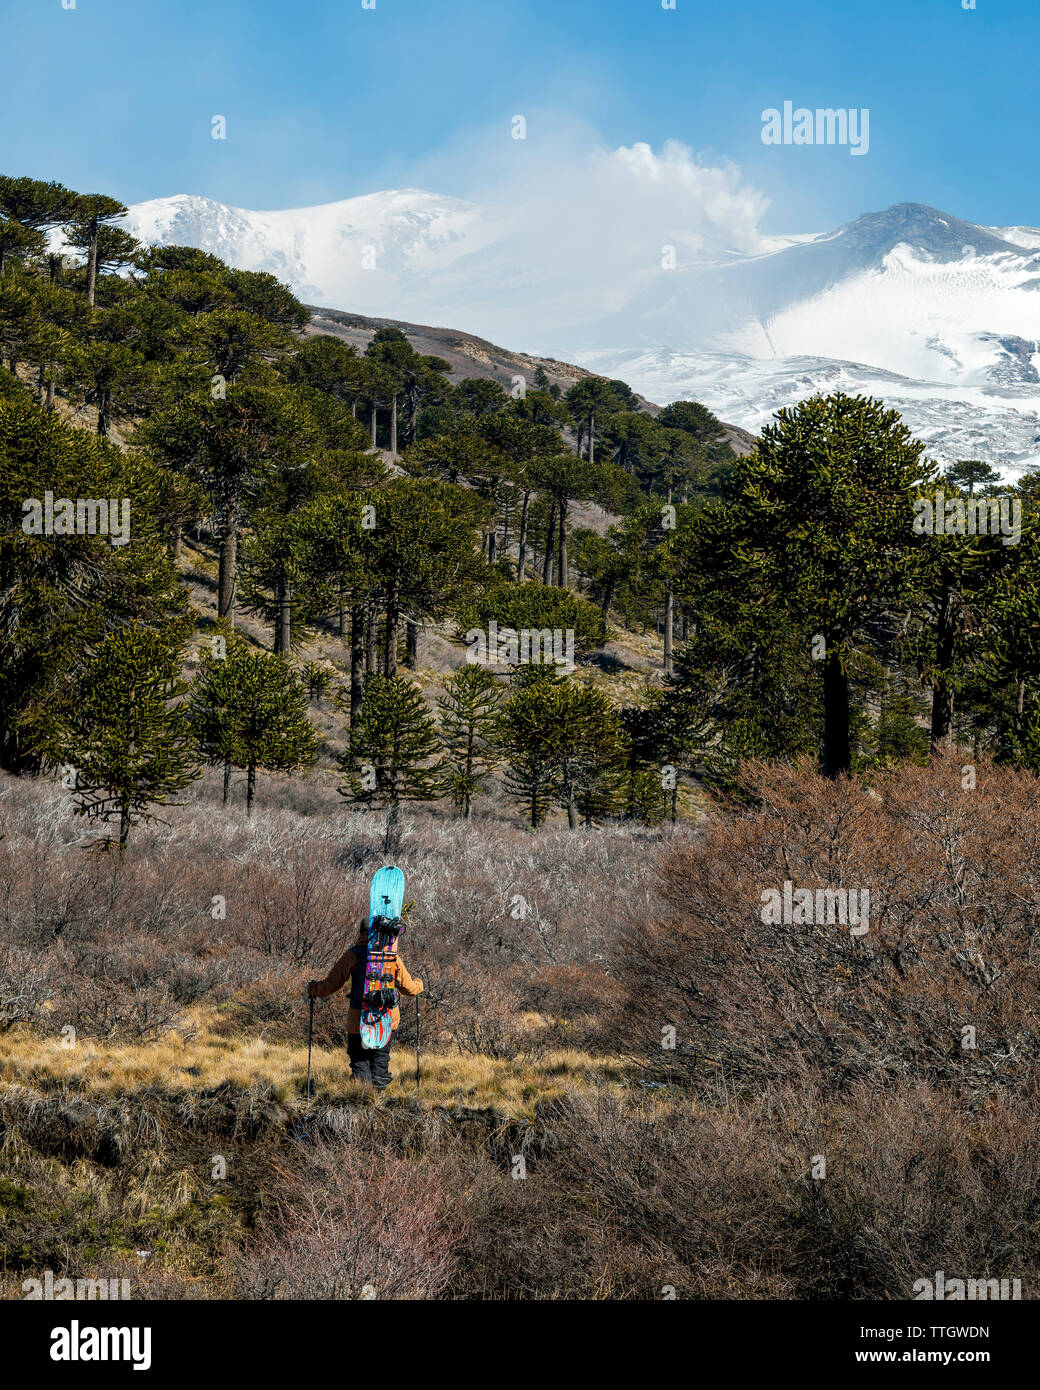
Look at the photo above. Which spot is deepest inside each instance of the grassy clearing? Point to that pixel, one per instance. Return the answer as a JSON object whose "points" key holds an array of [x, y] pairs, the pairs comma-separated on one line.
{"points": [[200, 1057]]}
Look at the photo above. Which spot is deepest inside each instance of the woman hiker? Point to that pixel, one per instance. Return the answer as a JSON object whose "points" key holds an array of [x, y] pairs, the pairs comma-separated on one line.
{"points": [[369, 1065]]}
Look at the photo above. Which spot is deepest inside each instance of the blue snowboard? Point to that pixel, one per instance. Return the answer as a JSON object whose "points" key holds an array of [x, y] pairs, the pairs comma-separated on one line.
{"points": [[386, 896]]}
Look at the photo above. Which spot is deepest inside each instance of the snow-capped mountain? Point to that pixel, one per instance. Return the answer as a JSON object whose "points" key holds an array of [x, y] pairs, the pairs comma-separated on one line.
{"points": [[938, 316], [347, 255]]}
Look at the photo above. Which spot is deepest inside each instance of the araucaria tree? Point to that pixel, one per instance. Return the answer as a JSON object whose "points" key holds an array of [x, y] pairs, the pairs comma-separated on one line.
{"points": [[823, 514], [249, 710], [392, 752], [534, 738], [127, 734], [470, 723]]}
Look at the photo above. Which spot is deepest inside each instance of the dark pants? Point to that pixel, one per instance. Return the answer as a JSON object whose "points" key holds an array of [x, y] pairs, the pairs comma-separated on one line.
{"points": [[370, 1065]]}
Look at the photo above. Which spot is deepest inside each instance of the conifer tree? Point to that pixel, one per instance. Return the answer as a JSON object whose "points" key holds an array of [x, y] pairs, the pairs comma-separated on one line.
{"points": [[229, 445], [470, 721], [130, 747], [249, 710], [534, 737], [422, 549], [17, 242], [392, 751], [92, 216], [822, 518], [591, 768]]}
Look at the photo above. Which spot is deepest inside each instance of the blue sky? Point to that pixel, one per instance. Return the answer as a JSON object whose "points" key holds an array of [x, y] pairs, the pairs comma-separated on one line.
{"points": [[325, 100]]}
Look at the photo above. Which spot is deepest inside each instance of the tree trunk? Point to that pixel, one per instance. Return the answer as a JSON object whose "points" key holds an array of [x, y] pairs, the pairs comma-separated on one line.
{"points": [[371, 636], [393, 821], [608, 599], [837, 752], [49, 403], [942, 693], [228, 572], [521, 562], [411, 647], [124, 826], [549, 538], [1020, 710], [92, 268], [103, 413], [669, 619], [393, 618], [283, 622], [341, 617], [393, 427], [227, 782], [175, 538], [373, 424], [592, 439], [250, 788], [357, 659], [561, 563]]}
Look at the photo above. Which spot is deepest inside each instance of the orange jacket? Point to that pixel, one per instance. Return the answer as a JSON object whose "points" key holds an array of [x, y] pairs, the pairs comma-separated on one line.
{"points": [[341, 973]]}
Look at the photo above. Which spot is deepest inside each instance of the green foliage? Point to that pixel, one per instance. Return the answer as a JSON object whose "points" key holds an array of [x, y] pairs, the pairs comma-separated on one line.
{"points": [[60, 594], [249, 710], [470, 711], [533, 735], [592, 761], [536, 608], [563, 745], [131, 748], [392, 750]]}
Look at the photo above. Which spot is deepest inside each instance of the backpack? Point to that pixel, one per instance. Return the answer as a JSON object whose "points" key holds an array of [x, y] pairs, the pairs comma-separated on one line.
{"points": [[379, 998]]}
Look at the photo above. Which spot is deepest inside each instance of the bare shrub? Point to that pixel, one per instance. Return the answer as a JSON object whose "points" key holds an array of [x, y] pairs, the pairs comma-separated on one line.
{"points": [[348, 1221], [24, 986], [100, 1007], [299, 909], [483, 1016], [953, 942]]}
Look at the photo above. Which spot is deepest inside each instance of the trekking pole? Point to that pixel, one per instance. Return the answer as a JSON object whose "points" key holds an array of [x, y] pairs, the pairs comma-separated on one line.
{"points": [[310, 1035], [417, 1044]]}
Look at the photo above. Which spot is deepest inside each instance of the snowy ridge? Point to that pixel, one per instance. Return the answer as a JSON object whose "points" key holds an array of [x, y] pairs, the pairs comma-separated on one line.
{"points": [[938, 316]]}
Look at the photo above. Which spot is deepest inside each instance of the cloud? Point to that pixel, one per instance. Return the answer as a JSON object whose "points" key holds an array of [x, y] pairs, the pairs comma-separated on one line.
{"points": [[578, 229]]}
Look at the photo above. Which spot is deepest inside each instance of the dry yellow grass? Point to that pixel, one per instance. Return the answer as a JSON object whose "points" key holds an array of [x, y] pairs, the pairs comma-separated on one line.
{"points": [[200, 1058]]}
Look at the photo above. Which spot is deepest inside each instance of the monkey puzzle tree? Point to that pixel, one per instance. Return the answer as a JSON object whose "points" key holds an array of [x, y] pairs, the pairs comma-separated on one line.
{"points": [[591, 767], [90, 229], [391, 755], [249, 710], [422, 548], [824, 528], [534, 737], [230, 446], [470, 710], [131, 748]]}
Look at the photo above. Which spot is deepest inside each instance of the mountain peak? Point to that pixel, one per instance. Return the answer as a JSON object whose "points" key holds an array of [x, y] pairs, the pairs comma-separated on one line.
{"points": [[935, 234]]}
